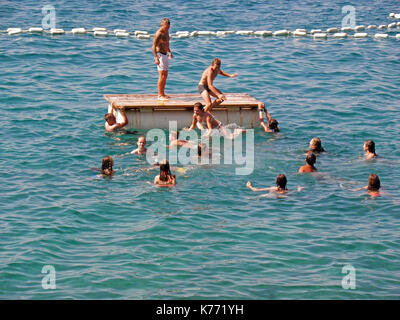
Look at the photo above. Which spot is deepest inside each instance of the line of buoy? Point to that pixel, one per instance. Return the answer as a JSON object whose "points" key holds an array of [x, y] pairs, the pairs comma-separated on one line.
{"points": [[139, 34]]}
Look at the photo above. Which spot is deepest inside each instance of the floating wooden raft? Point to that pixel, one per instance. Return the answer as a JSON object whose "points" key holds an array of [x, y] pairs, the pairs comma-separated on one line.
{"points": [[145, 111]]}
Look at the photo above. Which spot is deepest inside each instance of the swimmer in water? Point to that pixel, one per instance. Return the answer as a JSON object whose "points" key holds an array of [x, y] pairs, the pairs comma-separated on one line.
{"points": [[369, 149], [165, 178], [272, 125], [205, 120], [374, 184], [141, 142], [206, 87], [174, 141], [111, 123], [316, 145], [280, 181], [310, 161], [107, 166]]}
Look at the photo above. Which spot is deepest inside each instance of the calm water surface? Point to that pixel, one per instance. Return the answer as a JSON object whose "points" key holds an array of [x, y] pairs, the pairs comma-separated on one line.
{"points": [[209, 237]]}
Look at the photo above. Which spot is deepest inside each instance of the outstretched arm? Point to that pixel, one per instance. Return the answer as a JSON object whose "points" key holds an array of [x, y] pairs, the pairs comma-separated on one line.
{"points": [[248, 185], [124, 118], [227, 74], [261, 106], [359, 189]]}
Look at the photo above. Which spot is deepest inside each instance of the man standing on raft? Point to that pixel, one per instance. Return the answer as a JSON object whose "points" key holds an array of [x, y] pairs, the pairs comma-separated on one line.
{"points": [[160, 49], [206, 87]]}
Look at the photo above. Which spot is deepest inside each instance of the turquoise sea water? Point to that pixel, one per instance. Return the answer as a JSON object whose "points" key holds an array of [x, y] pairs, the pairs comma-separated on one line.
{"points": [[209, 237]]}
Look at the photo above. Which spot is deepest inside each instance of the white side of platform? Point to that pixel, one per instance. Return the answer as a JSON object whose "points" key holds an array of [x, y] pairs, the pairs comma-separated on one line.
{"points": [[160, 119]]}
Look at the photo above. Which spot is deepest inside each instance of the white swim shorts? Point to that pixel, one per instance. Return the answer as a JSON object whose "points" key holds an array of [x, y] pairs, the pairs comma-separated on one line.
{"points": [[163, 65]]}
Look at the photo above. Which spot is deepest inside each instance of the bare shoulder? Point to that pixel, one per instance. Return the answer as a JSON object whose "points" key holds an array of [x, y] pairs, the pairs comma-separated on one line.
{"points": [[157, 35]]}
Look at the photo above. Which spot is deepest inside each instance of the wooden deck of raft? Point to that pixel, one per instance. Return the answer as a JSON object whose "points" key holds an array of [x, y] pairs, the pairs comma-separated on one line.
{"points": [[145, 111], [178, 101]]}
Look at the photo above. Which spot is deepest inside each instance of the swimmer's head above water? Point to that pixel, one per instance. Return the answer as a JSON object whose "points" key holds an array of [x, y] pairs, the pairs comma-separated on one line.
{"points": [[107, 166], [369, 147], [316, 145], [165, 171], [281, 181], [273, 124], [311, 158], [374, 183], [110, 118]]}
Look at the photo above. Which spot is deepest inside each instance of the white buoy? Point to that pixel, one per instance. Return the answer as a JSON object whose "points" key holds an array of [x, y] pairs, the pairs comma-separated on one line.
{"points": [[122, 34], [229, 31], [143, 36], [220, 33], [100, 33], [360, 35], [99, 29], [359, 28], [332, 30], [263, 33], [347, 29], [12, 31], [397, 16], [316, 31], [381, 36], [140, 32], [183, 35], [371, 26], [206, 33], [382, 26], [340, 35], [391, 15], [281, 33], [35, 30], [244, 32], [301, 30], [78, 31], [55, 31], [398, 36], [182, 32], [398, 24], [119, 31], [299, 34], [194, 33], [392, 25], [320, 35]]}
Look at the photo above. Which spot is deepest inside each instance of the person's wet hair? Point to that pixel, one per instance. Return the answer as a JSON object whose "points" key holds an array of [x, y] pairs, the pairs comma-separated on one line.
{"points": [[370, 146], [281, 181], [216, 62], [273, 124], [165, 170], [316, 145], [311, 158], [108, 116], [198, 105], [107, 165], [373, 182]]}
